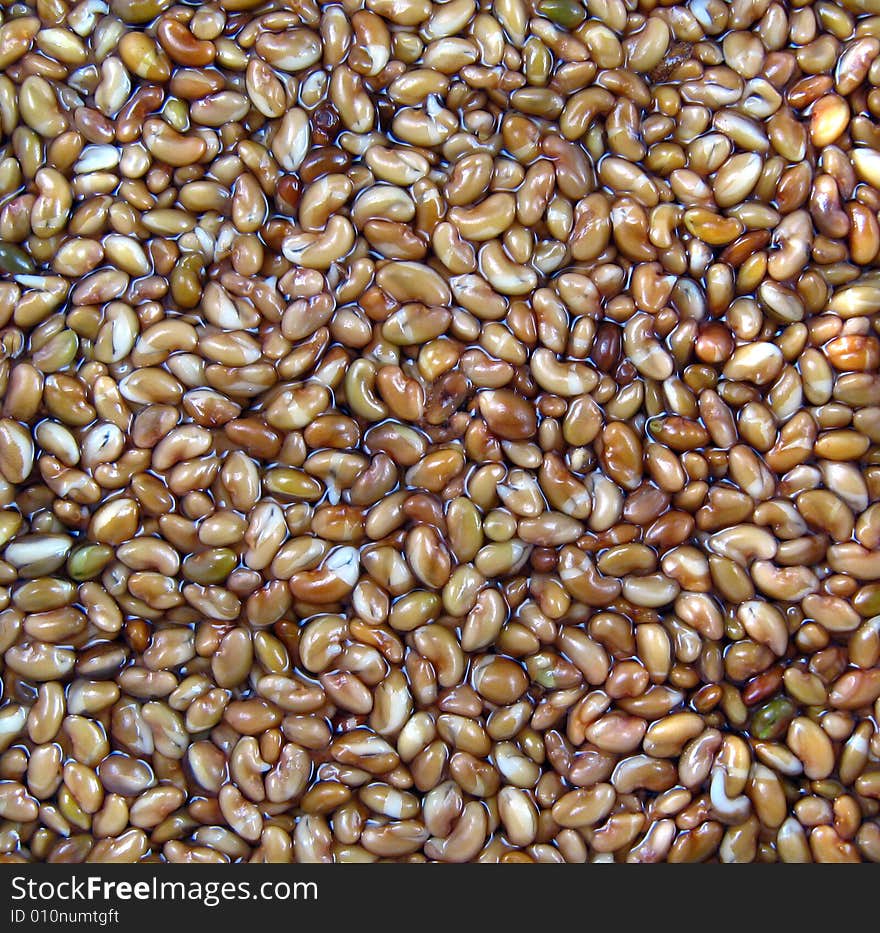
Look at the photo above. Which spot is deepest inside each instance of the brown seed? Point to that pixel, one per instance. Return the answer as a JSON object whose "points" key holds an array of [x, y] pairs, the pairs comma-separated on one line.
{"points": [[500, 680], [507, 414]]}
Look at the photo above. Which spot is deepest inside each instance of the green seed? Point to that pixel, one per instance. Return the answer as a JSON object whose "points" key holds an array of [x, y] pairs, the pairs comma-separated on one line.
{"points": [[57, 353], [176, 113], [10, 522], [139, 11], [542, 671], [210, 567], [285, 481], [829, 788], [772, 719], [86, 562], [14, 260], [867, 600], [566, 13], [186, 280]]}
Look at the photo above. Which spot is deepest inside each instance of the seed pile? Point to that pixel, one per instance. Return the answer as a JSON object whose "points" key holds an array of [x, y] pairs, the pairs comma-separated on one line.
{"points": [[440, 431]]}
